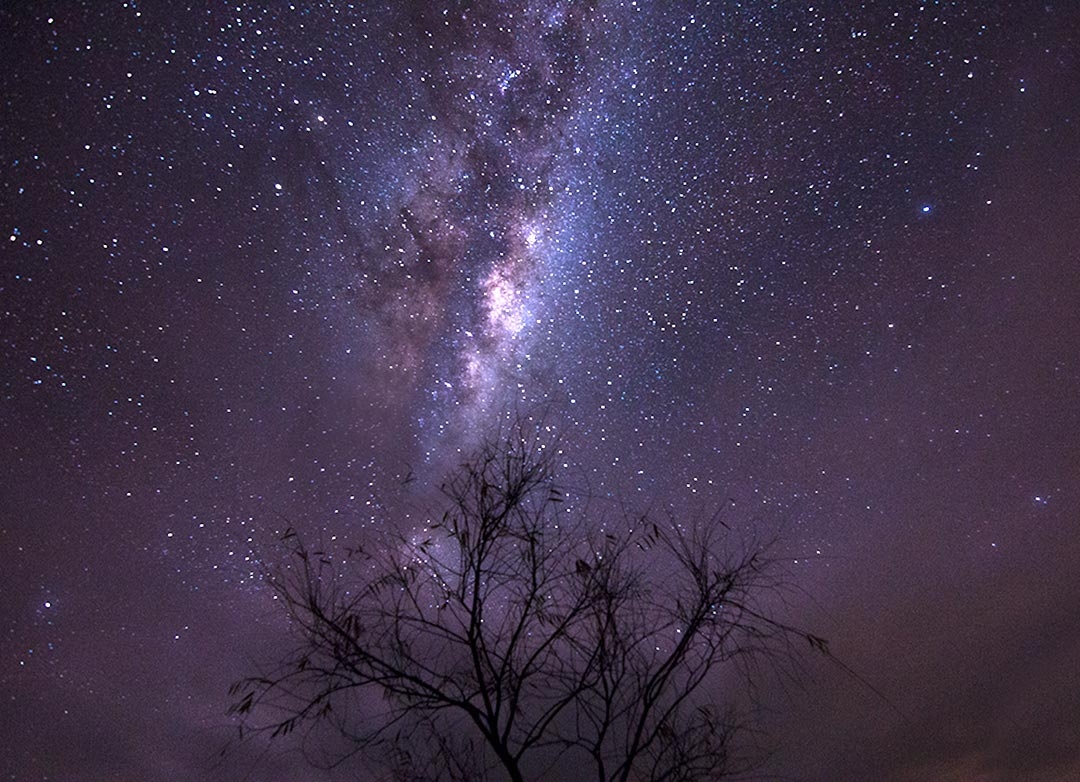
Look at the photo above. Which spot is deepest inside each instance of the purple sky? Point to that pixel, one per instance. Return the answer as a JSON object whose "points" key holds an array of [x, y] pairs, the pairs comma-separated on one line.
{"points": [[814, 264]]}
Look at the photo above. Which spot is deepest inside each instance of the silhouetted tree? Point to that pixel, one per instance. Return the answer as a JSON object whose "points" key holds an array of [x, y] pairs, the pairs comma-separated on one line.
{"points": [[514, 638]]}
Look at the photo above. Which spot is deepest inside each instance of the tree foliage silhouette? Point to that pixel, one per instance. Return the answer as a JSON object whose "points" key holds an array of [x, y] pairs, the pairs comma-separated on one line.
{"points": [[516, 640]]}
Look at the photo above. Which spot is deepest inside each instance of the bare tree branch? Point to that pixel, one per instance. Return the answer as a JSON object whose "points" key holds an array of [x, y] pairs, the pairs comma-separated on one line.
{"points": [[518, 635]]}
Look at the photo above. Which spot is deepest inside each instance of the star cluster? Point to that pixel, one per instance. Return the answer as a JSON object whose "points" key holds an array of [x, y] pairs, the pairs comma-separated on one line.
{"points": [[814, 264]]}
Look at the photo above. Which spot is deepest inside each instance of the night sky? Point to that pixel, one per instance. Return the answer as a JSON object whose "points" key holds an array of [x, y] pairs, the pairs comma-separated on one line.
{"points": [[814, 264]]}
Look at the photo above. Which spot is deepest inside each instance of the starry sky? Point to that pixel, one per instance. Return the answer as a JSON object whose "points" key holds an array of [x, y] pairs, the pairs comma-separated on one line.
{"points": [[816, 264]]}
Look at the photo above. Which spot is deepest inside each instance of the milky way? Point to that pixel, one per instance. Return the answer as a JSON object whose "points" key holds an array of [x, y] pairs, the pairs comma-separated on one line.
{"points": [[466, 263], [815, 267]]}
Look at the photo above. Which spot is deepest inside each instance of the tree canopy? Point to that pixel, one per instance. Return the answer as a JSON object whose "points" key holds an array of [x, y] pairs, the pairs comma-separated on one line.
{"points": [[516, 639]]}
